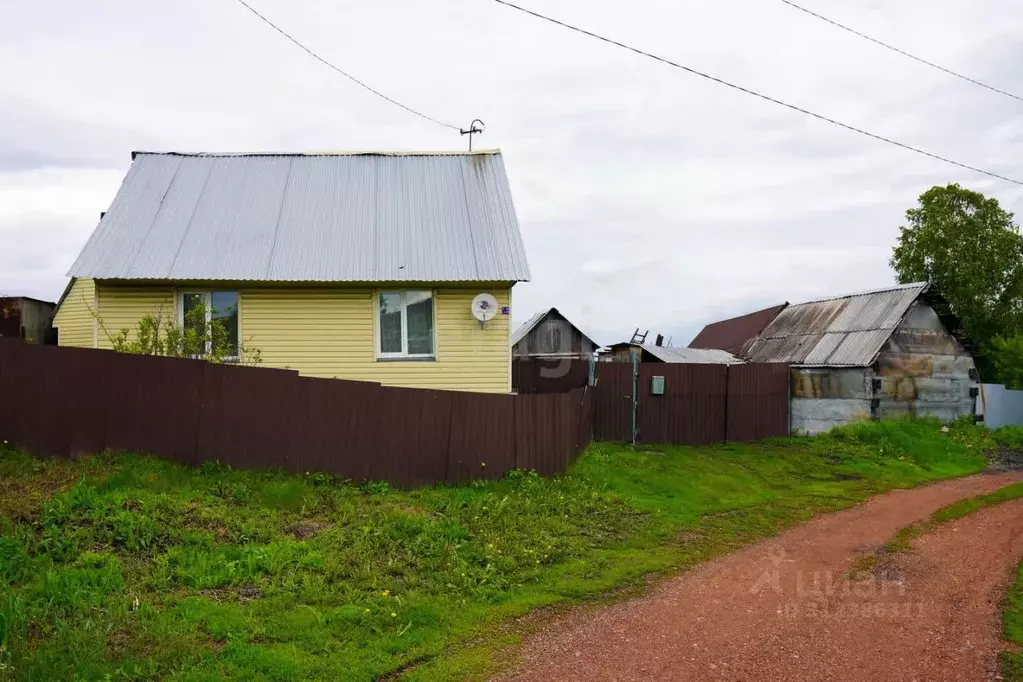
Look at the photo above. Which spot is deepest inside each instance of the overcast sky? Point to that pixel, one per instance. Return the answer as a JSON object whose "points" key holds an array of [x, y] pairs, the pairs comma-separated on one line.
{"points": [[647, 197]]}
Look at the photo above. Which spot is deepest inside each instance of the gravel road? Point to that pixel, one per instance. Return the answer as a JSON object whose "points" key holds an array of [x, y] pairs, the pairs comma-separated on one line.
{"points": [[784, 609]]}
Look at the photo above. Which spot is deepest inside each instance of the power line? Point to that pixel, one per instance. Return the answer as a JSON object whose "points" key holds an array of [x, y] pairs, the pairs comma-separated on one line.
{"points": [[950, 72], [767, 98], [345, 73]]}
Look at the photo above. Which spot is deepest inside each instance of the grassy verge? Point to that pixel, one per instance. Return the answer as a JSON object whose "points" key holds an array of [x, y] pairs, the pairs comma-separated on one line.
{"points": [[903, 540], [1012, 611], [1012, 628], [137, 568]]}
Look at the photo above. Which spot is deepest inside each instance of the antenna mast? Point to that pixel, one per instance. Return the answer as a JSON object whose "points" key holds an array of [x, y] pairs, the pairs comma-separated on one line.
{"points": [[473, 130]]}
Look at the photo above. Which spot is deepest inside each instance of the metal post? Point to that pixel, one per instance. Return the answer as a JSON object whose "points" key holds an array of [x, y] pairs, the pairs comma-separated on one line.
{"points": [[635, 396], [593, 371]]}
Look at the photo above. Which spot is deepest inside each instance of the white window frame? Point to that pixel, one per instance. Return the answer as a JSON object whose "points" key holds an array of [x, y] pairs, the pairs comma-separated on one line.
{"points": [[404, 354], [207, 295]]}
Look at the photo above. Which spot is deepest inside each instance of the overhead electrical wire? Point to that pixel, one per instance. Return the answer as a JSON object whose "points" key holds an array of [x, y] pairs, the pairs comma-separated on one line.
{"points": [[754, 93], [950, 72], [343, 72]]}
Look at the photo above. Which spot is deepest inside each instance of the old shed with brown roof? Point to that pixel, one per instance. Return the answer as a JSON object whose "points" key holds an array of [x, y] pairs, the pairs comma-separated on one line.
{"points": [[735, 335], [884, 353]]}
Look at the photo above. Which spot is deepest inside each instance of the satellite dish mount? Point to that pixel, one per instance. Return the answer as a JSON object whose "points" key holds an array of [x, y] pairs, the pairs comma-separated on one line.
{"points": [[484, 309]]}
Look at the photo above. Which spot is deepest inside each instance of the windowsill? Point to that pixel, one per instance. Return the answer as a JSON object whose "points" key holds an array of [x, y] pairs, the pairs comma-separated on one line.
{"points": [[431, 358]]}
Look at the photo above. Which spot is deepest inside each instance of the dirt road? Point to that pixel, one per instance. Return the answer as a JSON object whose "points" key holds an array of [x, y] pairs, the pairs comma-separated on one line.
{"points": [[784, 610]]}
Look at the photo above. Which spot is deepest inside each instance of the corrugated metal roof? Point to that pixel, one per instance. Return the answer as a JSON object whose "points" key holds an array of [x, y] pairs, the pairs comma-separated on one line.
{"points": [[736, 334], [846, 331], [354, 217], [692, 356]]}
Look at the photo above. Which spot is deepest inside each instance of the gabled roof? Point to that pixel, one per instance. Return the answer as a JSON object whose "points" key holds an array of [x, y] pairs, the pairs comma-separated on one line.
{"points": [[26, 298], [692, 356], [679, 355], [836, 332], [530, 324], [359, 217], [736, 334]]}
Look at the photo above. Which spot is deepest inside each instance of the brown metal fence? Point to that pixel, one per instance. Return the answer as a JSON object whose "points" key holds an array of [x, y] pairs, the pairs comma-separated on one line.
{"points": [[530, 375], [701, 404], [758, 402], [69, 401]]}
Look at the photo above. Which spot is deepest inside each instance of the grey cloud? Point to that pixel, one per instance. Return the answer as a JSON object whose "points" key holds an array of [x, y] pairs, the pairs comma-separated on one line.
{"points": [[647, 196]]}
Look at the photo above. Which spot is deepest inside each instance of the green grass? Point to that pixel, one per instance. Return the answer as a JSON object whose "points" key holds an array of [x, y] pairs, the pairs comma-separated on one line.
{"points": [[1012, 610], [136, 568], [903, 540], [1012, 629]]}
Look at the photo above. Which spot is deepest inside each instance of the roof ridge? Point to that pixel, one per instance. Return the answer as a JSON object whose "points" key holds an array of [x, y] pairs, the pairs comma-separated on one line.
{"points": [[324, 152], [897, 287]]}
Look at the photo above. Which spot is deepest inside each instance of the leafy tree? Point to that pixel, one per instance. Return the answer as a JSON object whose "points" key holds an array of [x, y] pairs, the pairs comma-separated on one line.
{"points": [[1007, 359], [972, 250], [197, 338]]}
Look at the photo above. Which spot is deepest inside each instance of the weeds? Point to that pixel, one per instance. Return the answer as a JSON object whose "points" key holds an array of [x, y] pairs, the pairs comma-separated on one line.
{"points": [[136, 568], [1012, 629]]}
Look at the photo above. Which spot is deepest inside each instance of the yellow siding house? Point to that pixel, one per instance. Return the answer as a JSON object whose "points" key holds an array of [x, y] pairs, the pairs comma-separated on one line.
{"points": [[356, 266]]}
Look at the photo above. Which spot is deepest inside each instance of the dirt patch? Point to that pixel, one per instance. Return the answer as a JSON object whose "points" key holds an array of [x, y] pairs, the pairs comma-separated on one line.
{"points": [[303, 530], [1007, 460], [882, 564], [787, 608], [22, 499], [227, 594]]}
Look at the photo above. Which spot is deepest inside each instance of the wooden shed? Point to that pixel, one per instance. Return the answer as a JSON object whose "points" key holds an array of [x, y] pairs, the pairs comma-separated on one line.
{"points": [[550, 335], [28, 319]]}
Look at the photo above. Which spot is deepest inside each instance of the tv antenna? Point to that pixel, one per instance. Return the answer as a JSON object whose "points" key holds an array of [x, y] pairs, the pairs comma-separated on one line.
{"points": [[473, 130]]}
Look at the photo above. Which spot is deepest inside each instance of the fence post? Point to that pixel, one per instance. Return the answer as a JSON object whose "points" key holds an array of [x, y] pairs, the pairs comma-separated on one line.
{"points": [[728, 377], [635, 397]]}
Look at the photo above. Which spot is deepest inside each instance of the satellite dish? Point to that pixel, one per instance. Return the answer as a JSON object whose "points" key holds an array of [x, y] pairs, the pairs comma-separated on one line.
{"points": [[484, 308]]}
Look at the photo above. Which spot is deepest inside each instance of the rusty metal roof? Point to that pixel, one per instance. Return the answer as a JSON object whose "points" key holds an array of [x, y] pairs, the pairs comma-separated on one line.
{"points": [[836, 332], [735, 335]]}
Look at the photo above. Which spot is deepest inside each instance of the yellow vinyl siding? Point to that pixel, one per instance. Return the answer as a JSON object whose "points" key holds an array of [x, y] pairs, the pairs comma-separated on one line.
{"points": [[75, 323], [329, 332], [121, 307]]}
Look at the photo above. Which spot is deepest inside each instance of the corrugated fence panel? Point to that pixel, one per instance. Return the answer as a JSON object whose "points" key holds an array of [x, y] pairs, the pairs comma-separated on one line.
{"points": [[247, 417], [692, 409], [329, 441], [154, 404], [612, 402], [530, 375], [758, 401], [69, 401], [30, 419]]}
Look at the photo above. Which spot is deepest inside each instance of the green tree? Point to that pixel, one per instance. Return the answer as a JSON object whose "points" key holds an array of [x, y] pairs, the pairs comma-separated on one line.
{"points": [[968, 246], [1007, 360]]}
